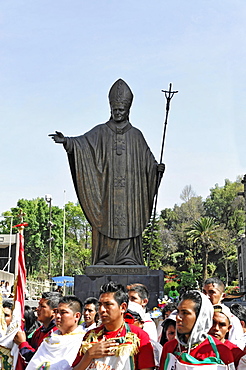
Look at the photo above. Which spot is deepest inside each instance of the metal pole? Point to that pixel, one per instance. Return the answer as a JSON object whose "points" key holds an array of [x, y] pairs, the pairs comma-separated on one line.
{"points": [[10, 241], [48, 199], [169, 95], [63, 234]]}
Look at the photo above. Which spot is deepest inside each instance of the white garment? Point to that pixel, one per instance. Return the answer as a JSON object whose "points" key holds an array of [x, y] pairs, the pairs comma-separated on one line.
{"points": [[57, 352], [8, 349], [111, 363], [5, 292], [242, 363], [159, 328], [172, 363], [157, 349], [236, 333], [149, 327], [86, 329], [244, 339]]}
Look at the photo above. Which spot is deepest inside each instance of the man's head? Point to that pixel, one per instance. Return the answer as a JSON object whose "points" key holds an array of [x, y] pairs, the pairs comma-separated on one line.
{"points": [[168, 309], [239, 311], [47, 307], [68, 314], [135, 314], [187, 312], [90, 311], [214, 288], [8, 311], [113, 303], [138, 293], [221, 322], [120, 99]]}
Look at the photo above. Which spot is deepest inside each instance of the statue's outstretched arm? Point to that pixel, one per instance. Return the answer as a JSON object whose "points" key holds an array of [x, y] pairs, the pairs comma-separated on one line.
{"points": [[58, 137]]}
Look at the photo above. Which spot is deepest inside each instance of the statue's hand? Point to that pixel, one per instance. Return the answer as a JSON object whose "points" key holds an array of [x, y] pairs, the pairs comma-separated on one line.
{"points": [[58, 137], [161, 168]]}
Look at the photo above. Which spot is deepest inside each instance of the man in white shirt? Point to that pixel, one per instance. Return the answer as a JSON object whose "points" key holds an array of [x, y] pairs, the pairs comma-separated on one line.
{"points": [[61, 349], [90, 313], [139, 293], [214, 288]]}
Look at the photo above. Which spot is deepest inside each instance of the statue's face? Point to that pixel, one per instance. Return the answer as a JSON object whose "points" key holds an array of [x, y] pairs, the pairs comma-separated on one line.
{"points": [[119, 112]]}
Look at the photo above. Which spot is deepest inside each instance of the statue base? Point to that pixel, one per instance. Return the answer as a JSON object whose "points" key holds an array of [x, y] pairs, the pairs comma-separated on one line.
{"points": [[89, 285], [101, 270]]}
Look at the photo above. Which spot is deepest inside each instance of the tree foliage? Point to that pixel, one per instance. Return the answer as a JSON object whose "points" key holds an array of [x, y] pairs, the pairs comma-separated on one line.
{"points": [[205, 232], [152, 248], [77, 237]]}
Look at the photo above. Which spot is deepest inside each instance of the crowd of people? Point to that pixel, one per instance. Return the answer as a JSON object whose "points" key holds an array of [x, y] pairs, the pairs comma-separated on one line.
{"points": [[5, 289], [116, 331]]}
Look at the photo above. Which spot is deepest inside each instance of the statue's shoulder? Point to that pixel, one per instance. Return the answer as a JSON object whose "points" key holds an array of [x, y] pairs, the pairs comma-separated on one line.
{"points": [[98, 128], [136, 131]]}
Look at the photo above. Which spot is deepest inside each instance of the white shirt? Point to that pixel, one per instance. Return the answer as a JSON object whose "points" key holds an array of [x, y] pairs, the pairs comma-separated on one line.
{"points": [[86, 329], [149, 327]]}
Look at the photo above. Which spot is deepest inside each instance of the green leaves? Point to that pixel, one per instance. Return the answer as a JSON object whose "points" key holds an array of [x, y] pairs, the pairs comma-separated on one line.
{"points": [[78, 237], [204, 232]]}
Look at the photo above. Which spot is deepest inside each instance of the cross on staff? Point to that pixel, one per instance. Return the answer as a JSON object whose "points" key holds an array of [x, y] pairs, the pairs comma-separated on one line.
{"points": [[168, 95], [22, 224], [21, 215]]}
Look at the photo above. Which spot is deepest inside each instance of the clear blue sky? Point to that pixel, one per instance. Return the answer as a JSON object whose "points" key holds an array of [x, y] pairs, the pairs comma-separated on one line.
{"points": [[58, 60]]}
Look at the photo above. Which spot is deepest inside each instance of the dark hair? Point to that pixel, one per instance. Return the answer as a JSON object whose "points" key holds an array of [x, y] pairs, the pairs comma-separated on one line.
{"points": [[8, 304], [131, 316], [120, 294], [239, 311], [140, 289], [215, 280], [73, 302], [31, 322], [92, 300], [194, 296], [165, 325], [169, 307], [52, 298]]}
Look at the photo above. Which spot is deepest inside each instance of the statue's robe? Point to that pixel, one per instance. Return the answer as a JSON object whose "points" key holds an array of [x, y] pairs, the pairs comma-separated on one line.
{"points": [[115, 176]]}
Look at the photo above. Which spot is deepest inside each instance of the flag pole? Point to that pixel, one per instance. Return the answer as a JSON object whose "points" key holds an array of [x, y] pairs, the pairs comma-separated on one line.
{"points": [[168, 95], [19, 299]]}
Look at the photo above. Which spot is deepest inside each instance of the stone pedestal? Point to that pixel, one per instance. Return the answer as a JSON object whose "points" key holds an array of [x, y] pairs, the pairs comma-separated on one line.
{"points": [[89, 285]]}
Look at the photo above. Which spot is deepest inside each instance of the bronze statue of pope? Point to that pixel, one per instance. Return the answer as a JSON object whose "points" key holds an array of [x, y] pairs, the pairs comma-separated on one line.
{"points": [[115, 176]]}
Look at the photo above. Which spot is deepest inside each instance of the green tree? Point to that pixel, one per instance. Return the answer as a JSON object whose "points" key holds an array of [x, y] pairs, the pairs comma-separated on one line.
{"points": [[204, 233], [78, 240], [77, 226], [226, 207], [175, 221], [36, 233], [77, 237], [152, 245]]}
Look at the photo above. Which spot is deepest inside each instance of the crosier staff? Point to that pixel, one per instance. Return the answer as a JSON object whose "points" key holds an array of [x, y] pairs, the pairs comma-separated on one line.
{"points": [[169, 95]]}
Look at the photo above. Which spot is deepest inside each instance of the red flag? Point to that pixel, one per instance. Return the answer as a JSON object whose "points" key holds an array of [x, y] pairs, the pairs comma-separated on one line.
{"points": [[21, 283], [6, 341]]}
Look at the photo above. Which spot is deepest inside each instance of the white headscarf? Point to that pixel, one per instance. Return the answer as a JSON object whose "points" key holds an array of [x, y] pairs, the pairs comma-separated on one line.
{"points": [[202, 325]]}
